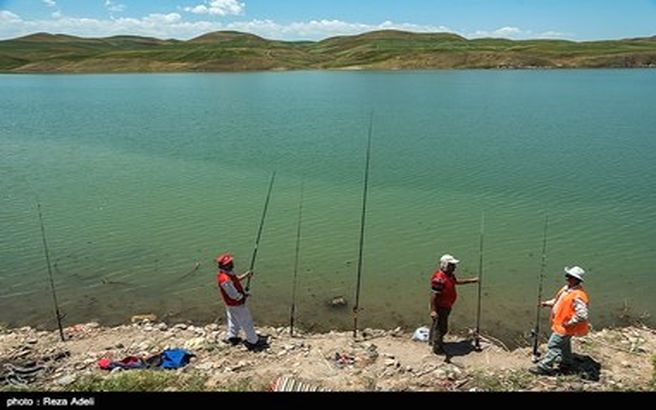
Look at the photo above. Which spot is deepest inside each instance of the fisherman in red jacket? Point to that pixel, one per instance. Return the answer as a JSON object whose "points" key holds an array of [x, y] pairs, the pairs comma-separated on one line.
{"points": [[234, 297], [443, 296]]}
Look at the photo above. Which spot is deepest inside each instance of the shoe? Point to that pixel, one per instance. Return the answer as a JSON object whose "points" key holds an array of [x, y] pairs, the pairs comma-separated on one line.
{"points": [[439, 350], [538, 371], [261, 344], [253, 347], [232, 341]]}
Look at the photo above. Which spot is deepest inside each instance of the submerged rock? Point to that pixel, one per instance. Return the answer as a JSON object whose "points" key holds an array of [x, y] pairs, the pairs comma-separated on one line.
{"points": [[143, 318], [338, 302]]}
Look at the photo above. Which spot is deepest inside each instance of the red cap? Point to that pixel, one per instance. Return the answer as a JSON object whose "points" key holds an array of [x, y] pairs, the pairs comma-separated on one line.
{"points": [[224, 259]]}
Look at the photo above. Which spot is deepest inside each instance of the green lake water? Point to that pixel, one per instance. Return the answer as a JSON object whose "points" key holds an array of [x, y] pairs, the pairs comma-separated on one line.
{"points": [[142, 176]]}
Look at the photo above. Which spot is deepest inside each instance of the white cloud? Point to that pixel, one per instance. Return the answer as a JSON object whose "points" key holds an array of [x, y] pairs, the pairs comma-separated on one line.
{"points": [[516, 33], [503, 32], [508, 31], [114, 7], [52, 3], [218, 8], [164, 19], [552, 34], [173, 25], [7, 17], [319, 29]]}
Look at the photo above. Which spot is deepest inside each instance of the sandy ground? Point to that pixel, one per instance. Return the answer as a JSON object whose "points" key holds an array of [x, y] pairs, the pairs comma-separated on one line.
{"points": [[618, 359]]}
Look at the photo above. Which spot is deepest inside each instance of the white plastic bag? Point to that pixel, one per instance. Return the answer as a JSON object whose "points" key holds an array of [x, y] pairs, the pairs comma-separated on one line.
{"points": [[421, 334]]}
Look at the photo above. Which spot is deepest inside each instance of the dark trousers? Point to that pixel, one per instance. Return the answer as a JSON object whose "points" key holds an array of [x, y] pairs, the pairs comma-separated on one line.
{"points": [[439, 328]]}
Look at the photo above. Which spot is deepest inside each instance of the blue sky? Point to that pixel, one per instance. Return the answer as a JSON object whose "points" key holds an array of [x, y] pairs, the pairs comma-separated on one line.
{"points": [[317, 19]]}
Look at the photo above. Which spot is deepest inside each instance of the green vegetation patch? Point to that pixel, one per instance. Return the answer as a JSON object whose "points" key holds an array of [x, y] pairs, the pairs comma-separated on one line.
{"points": [[653, 377], [514, 380], [140, 381]]}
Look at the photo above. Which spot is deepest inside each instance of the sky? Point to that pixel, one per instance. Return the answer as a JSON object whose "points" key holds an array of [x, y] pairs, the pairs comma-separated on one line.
{"points": [[578, 20]]}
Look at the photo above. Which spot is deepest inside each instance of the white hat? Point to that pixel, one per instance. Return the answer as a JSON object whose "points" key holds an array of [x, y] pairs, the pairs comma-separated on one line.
{"points": [[575, 272], [446, 259]]}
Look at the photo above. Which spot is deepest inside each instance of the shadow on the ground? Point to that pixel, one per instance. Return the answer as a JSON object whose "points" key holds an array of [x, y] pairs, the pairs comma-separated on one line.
{"points": [[586, 367], [454, 349]]}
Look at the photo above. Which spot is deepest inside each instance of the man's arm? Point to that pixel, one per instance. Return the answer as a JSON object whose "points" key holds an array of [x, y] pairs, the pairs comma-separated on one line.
{"points": [[433, 308], [232, 292], [245, 275], [548, 303], [466, 281], [437, 286], [580, 313]]}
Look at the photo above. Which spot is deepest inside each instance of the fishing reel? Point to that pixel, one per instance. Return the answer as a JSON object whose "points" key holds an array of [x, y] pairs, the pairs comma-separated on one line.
{"points": [[477, 344]]}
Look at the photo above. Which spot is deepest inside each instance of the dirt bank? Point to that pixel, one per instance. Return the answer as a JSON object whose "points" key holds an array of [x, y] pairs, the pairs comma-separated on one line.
{"points": [[608, 360]]}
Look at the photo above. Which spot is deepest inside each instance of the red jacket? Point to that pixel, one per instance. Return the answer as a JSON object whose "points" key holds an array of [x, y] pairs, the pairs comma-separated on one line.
{"points": [[446, 285], [226, 279]]}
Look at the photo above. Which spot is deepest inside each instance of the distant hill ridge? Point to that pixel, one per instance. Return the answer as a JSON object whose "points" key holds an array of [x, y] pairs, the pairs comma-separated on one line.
{"points": [[376, 50]]}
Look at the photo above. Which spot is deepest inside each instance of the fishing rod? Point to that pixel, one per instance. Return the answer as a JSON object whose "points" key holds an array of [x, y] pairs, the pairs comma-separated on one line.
{"points": [[535, 333], [298, 253], [259, 231], [356, 307], [477, 332], [58, 315]]}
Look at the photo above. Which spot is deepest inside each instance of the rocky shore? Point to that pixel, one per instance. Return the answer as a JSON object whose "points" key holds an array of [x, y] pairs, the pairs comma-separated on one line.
{"points": [[377, 360]]}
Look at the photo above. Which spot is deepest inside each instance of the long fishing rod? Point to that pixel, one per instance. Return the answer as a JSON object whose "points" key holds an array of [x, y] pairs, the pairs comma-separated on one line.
{"points": [[477, 332], [58, 315], [259, 231], [356, 307], [535, 333], [298, 254]]}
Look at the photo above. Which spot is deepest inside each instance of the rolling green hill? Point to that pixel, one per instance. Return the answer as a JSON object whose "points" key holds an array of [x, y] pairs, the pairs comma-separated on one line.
{"points": [[385, 50]]}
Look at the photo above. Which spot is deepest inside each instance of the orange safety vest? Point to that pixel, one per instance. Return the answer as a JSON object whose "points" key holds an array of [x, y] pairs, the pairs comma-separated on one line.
{"points": [[223, 277], [563, 311]]}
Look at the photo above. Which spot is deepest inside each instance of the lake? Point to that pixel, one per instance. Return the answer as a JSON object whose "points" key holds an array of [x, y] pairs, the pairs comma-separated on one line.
{"points": [[140, 177]]}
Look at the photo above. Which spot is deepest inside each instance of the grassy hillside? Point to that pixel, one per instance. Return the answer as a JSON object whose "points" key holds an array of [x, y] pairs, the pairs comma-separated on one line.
{"points": [[388, 49]]}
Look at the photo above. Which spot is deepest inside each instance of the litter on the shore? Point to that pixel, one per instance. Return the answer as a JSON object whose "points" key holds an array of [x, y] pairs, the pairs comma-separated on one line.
{"points": [[20, 370], [344, 359], [168, 359], [290, 384], [422, 334]]}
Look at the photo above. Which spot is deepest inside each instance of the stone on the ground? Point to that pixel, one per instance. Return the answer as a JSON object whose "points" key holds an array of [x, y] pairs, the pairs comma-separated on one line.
{"points": [[66, 380], [143, 318], [196, 343]]}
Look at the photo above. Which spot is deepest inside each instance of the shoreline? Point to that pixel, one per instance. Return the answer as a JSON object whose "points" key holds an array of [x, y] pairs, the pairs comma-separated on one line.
{"points": [[340, 69], [460, 323], [377, 360]]}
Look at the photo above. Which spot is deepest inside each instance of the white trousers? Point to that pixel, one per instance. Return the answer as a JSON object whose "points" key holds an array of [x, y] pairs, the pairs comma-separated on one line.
{"points": [[239, 317]]}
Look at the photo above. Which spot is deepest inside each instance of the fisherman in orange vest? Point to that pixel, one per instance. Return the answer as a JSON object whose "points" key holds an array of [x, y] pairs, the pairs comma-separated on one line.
{"points": [[234, 297], [443, 296], [569, 317]]}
